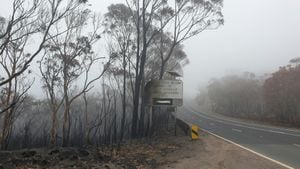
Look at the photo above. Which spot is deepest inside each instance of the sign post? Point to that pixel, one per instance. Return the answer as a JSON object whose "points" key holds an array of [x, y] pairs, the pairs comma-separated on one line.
{"points": [[175, 131], [168, 93]]}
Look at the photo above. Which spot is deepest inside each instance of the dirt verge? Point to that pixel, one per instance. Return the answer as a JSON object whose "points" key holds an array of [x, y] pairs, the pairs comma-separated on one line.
{"points": [[211, 152], [163, 152]]}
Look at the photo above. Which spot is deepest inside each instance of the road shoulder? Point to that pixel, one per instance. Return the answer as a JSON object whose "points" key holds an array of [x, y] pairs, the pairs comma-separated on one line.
{"points": [[211, 152]]}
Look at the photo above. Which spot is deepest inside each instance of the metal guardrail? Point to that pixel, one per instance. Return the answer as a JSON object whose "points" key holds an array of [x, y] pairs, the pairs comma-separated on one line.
{"points": [[187, 128], [184, 126]]}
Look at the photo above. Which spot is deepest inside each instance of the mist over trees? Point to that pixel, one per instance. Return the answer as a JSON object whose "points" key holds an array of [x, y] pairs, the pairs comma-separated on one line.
{"points": [[274, 99], [92, 97], [28, 21], [282, 94]]}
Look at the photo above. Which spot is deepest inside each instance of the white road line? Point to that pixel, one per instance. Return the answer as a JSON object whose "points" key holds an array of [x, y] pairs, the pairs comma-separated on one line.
{"points": [[245, 148], [279, 132], [237, 130], [255, 128], [296, 145]]}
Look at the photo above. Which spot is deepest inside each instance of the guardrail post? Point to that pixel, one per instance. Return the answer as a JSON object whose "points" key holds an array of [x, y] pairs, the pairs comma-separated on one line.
{"points": [[194, 132], [175, 131]]}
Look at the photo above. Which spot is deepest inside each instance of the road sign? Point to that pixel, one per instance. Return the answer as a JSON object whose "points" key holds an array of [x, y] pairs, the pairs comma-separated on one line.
{"points": [[171, 89], [164, 93]]}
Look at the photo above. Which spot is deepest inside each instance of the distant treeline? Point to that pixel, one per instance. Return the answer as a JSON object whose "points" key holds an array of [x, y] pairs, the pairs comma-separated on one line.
{"points": [[274, 98]]}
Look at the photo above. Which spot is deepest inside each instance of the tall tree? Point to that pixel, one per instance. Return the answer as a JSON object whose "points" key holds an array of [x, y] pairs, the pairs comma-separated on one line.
{"points": [[120, 28], [32, 21], [67, 57], [181, 20], [151, 18]]}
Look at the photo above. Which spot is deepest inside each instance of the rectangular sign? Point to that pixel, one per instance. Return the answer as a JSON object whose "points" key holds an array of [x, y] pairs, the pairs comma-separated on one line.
{"points": [[163, 93], [169, 89]]}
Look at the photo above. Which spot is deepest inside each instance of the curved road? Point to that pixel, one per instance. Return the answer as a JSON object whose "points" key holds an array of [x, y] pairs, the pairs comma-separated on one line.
{"points": [[279, 144]]}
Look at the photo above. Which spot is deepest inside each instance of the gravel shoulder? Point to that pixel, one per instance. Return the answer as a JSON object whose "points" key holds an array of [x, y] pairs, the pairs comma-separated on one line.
{"points": [[210, 152]]}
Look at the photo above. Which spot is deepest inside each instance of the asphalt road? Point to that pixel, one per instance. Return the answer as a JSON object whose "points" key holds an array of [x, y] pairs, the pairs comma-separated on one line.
{"points": [[279, 144]]}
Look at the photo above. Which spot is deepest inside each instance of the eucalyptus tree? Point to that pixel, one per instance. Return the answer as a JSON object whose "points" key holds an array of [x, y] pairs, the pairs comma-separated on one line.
{"points": [[152, 18], [67, 58], [119, 27], [29, 21], [154, 30], [180, 20]]}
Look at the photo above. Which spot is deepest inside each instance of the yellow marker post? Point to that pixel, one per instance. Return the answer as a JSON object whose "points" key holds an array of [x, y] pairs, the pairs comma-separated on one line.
{"points": [[194, 132]]}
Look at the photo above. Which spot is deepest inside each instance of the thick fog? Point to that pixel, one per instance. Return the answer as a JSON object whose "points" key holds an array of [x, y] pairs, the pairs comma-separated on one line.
{"points": [[258, 36]]}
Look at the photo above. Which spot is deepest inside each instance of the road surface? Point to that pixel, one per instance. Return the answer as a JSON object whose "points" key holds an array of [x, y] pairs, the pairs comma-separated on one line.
{"points": [[279, 144]]}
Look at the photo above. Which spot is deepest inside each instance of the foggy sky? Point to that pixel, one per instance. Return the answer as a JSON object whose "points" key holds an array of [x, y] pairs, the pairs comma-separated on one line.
{"points": [[258, 36]]}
